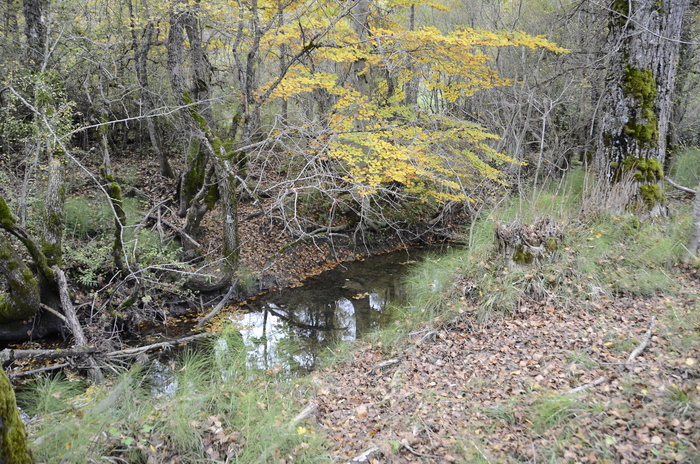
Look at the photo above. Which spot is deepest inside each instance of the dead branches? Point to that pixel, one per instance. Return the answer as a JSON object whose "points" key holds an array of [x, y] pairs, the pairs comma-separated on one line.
{"points": [[643, 343], [8, 355], [633, 355]]}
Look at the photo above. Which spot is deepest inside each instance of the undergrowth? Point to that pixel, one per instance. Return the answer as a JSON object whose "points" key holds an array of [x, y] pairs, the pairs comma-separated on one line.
{"points": [[207, 405]]}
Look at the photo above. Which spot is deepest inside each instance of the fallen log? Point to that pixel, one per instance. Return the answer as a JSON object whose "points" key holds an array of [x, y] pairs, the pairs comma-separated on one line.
{"points": [[8, 355]]}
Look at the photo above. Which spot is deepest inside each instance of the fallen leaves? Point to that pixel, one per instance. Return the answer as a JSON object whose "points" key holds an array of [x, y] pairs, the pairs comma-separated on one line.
{"points": [[489, 389]]}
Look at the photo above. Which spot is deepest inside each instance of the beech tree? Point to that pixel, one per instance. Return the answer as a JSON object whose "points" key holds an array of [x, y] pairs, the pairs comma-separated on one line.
{"points": [[637, 100]]}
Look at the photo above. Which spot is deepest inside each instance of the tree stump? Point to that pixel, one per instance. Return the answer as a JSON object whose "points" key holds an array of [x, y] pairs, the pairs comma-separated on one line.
{"points": [[527, 244]]}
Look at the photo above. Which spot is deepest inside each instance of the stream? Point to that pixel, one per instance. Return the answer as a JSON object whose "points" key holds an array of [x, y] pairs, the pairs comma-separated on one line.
{"points": [[288, 329]]}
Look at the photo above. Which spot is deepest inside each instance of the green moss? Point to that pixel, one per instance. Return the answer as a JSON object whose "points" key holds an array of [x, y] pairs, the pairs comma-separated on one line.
{"points": [[651, 193], [523, 257], [643, 124], [620, 10], [13, 446], [115, 191], [7, 219], [645, 169], [620, 6], [212, 196], [105, 176], [53, 253]]}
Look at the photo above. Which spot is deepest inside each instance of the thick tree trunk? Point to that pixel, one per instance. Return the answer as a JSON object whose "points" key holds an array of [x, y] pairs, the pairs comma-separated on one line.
{"points": [[26, 292], [13, 436], [411, 87], [195, 195], [229, 210], [360, 71], [22, 299], [637, 103]]}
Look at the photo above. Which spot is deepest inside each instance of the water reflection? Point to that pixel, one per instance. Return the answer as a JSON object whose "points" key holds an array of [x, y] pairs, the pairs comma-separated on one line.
{"points": [[287, 330]]}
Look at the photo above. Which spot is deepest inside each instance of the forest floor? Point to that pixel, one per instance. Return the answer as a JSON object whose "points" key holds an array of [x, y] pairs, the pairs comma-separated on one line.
{"points": [[504, 392]]}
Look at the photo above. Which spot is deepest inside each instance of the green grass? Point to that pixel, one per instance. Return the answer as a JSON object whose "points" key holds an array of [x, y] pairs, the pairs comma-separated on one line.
{"points": [[216, 405], [686, 168], [601, 256]]}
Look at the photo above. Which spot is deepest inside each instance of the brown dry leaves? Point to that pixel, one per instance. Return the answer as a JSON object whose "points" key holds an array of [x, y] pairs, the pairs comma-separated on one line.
{"points": [[486, 393]]}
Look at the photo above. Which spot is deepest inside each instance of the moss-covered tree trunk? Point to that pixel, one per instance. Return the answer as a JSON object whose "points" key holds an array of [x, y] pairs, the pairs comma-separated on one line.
{"points": [[637, 101], [141, 49], [22, 298], [195, 194], [13, 436], [24, 291]]}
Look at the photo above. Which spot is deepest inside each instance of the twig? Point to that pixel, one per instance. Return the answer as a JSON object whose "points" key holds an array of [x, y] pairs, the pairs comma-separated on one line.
{"points": [[364, 457], [142, 349], [481, 453], [429, 336], [218, 307], [38, 371], [10, 355], [178, 230], [383, 365], [54, 312], [73, 323], [419, 454], [306, 412], [7, 355], [586, 386], [643, 343]]}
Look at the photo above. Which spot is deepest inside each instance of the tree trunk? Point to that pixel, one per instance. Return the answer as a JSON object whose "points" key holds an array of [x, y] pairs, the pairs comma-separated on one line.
{"points": [[411, 87], [13, 436], [53, 210], [141, 50], [35, 31], [196, 197], [229, 210], [360, 71], [22, 299], [637, 102], [28, 291]]}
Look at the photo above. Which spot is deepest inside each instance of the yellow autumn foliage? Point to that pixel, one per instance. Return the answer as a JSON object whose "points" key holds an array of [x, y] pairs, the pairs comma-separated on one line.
{"points": [[375, 138]]}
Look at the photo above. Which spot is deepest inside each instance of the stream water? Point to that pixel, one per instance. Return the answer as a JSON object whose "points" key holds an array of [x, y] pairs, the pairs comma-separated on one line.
{"points": [[289, 329]]}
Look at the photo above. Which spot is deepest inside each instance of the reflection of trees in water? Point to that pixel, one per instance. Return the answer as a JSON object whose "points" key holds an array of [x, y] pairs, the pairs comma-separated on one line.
{"points": [[293, 325]]}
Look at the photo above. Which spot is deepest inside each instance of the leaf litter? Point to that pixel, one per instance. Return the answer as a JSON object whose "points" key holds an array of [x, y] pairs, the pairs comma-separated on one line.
{"points": [[500, 392]]}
